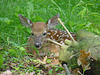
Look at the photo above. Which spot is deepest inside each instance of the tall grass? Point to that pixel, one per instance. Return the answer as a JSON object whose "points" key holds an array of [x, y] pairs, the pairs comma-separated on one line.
{"points": [[75, 14]]}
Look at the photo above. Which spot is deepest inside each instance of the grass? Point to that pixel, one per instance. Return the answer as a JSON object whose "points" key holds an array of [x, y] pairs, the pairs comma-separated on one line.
{"points": [[76, 14]]}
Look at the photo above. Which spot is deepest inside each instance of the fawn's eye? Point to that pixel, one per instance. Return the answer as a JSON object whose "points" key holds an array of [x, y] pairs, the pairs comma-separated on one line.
{"points": [[44, 34], [32, 34]]}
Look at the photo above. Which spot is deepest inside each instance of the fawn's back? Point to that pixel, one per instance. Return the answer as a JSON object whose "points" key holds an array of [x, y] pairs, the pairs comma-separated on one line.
{"points": [[41, 32]]}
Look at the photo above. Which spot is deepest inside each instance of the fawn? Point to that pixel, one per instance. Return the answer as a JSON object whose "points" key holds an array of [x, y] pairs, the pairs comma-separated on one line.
{"points": [[41, 32]]}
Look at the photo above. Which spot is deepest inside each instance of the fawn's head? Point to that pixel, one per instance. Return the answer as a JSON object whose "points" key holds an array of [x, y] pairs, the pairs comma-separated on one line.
{"points": [[39, 29]]}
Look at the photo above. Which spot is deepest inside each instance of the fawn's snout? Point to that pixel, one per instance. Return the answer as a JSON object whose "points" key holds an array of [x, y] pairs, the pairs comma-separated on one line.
{"points": [[37, 44]]}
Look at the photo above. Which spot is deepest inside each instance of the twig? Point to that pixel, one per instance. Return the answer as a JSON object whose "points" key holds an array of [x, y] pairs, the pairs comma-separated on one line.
{"points": [[80, 73], [54, 42], [66, 69], [66, 30]]}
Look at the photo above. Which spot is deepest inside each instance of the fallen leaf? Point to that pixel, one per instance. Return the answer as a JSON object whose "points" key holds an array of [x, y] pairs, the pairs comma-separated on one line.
{"points": [[55, 61], [8, 72], [82, 60], [43, 61], [37, 65], [75, 71]]}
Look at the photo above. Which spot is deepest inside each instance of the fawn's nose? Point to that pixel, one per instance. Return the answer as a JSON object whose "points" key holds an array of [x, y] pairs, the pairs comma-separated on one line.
{"points": [[37, 45]]}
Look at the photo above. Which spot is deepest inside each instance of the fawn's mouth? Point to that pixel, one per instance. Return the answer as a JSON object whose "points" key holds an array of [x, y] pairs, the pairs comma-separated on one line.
{"points": [[37, 46]]}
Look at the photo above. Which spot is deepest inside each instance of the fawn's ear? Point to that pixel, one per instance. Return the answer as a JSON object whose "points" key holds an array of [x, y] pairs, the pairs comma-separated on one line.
{"points": [[52, 22], [25, 21]]}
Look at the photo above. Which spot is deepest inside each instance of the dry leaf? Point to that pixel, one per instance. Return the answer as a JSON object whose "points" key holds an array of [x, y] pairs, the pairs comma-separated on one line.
{"points": [[82, 60], [75, 71], [55, 61], [37, 65], [8, 72], [43, 61]]}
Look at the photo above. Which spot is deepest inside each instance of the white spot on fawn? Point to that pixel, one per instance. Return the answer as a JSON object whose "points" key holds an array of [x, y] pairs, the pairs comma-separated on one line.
{"points": [[52, 37], [48, 33], [61, 42], [61, 33], [67, 35], [57, 35], [55, 31], [52, 30]]}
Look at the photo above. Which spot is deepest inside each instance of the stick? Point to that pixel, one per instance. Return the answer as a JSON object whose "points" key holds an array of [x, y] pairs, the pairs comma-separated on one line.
{"points": [[80, 73], [66, 30], [54, 42], [66, 69]]}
